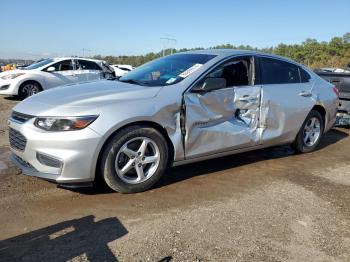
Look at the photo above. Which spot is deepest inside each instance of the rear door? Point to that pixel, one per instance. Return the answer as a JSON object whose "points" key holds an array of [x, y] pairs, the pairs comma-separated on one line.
{"points": [[63, 74], [225, 119], [87, 70], [287, 99]]}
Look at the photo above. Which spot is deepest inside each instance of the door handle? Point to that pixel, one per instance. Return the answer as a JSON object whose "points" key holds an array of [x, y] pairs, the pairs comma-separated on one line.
{"points": [[305, 93], [248, 99]]}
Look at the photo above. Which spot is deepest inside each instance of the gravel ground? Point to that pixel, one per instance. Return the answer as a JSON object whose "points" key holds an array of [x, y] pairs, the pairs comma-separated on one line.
{"points": [[267, 205]]}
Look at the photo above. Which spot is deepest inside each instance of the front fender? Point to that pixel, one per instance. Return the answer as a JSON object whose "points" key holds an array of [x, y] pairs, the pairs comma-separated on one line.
{"points": [[24, 79]]}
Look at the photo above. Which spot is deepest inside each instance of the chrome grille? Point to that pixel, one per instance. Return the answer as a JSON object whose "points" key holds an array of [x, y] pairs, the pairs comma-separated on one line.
{"points": [[20, 117], [17, 140]]}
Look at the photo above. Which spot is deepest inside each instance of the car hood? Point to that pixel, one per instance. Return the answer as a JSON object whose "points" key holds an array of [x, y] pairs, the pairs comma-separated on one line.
{"points": [[80, 98], [15, 71]]}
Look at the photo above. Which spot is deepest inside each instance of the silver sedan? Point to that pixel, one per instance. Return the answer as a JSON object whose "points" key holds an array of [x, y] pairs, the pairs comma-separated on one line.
{"points": [[174, 110]]}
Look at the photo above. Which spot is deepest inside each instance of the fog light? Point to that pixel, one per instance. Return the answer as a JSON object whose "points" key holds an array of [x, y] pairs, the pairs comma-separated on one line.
{"points": [[4, 87], [49, 160]]}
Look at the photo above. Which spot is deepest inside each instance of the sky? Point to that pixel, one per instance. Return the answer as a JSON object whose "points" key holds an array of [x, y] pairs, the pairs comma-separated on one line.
{"points": [[34, 29]]}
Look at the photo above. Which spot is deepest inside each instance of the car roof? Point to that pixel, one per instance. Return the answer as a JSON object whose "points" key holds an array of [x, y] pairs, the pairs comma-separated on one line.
{"points": [[76, 57], [233, 52]]}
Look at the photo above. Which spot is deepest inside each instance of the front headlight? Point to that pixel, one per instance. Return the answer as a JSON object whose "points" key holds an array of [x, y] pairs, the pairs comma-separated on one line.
{"points": [[11, 76], [64, 123]]}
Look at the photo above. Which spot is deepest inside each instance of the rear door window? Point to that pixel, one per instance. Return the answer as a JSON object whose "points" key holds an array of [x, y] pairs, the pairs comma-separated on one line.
{"points": [[88, 65], [304, 76], [276, 71]]}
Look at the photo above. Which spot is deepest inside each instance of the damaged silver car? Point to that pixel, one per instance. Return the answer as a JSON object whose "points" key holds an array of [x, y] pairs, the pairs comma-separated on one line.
{"points": [[174, 110]]}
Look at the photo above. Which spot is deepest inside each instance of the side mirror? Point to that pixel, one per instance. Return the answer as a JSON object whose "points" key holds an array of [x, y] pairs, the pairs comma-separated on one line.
{"points": [[210, 84], [51, 69]]}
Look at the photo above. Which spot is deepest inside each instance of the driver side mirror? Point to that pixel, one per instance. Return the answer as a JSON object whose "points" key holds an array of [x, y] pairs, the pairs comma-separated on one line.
{"points": [[51, 69], [210, 84]]}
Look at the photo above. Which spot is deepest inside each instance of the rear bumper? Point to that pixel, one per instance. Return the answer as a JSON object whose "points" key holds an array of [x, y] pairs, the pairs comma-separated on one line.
{"points": [[343, 115], [344, 105]]}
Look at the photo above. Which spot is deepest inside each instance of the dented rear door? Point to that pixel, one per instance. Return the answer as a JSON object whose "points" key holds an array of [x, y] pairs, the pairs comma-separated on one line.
{"points": [[286, 100], [221, 120]]}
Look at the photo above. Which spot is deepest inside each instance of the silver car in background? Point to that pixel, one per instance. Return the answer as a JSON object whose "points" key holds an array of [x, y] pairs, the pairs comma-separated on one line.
{"points": [[174, 110]]}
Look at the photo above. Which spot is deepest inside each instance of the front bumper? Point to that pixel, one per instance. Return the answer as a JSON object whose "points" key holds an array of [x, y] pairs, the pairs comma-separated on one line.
{"points": [[27, 169], [75, 149], [11, 87]]}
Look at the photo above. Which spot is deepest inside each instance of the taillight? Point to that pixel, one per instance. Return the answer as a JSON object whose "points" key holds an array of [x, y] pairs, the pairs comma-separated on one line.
{"points": [[336, 91]]}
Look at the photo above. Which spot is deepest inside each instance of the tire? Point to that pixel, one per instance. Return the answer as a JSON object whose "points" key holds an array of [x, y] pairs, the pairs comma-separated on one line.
{"points": [[28, 89], [308, 139], [124, 157]]}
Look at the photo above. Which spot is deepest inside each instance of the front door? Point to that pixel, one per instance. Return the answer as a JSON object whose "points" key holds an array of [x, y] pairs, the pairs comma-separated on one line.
{"points": [[63, 74], [227, 118]]}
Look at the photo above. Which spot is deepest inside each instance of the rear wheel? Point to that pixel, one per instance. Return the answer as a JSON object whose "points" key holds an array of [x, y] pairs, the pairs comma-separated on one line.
{"points": [[28, 89], [134, 160], [310, 133]]}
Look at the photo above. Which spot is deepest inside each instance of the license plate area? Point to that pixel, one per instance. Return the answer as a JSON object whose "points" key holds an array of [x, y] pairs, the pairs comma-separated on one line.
{"points": [[343, 119]]}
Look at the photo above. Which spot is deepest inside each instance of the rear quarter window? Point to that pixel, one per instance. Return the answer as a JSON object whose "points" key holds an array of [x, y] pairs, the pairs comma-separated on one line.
{"points": [[304, 76]]}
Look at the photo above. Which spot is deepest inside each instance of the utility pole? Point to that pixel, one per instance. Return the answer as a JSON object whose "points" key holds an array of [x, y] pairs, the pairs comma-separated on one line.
{"points": [[167, 41], [85, 50]]}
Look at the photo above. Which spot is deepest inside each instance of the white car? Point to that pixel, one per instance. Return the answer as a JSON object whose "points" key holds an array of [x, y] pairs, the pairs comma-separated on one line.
{"points": [[121, 70], [52, 72]]}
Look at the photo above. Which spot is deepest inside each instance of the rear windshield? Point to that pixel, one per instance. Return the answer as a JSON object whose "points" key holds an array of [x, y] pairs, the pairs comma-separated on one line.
{"points": [[166, 71]]}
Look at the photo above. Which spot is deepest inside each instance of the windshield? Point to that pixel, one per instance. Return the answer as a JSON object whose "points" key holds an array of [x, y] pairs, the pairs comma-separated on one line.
{"points": [[166, 71], [39, 63]]}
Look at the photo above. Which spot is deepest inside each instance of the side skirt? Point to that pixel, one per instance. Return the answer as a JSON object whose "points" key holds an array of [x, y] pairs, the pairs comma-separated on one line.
{"points": [[220, 154]]}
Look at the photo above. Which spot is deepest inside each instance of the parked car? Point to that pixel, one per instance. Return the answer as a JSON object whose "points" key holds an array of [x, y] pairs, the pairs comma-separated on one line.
{"points": [[51, 72], [341, 79], [121, 70], [175, 110]]}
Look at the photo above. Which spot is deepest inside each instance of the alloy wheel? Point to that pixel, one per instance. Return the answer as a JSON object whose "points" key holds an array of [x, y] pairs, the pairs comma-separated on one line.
{"points": [[137, 160], [30, 89], [312, 131]]}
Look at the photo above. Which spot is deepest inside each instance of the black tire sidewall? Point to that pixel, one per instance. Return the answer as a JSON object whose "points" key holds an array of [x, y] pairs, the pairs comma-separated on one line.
{"points": [[299, 141], [108, 171]]}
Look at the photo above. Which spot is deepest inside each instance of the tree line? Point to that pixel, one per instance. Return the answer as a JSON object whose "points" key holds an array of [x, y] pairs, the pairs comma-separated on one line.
{"points": [[314, 54]]}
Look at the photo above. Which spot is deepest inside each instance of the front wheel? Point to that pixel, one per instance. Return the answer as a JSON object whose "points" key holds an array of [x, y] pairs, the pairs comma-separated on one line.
{"points": [[28, 89], [310, 133], [134, 159]]}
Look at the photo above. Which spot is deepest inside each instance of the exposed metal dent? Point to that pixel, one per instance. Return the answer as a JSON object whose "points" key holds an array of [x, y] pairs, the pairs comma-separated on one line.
{"points": [[248, 106], [170, 118], [221, 120], [283, 111]]}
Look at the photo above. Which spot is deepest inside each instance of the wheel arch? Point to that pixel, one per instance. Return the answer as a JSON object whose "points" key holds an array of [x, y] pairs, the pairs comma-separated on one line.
{"points": [[145, 123], [319, 108]]}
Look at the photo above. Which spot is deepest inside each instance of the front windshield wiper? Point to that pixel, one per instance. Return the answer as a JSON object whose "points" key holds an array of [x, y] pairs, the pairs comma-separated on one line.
{"points": [[132, 81]]}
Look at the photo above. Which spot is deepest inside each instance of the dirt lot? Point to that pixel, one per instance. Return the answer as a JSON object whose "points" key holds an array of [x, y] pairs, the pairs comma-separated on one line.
{"points": [[268, 205]]}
